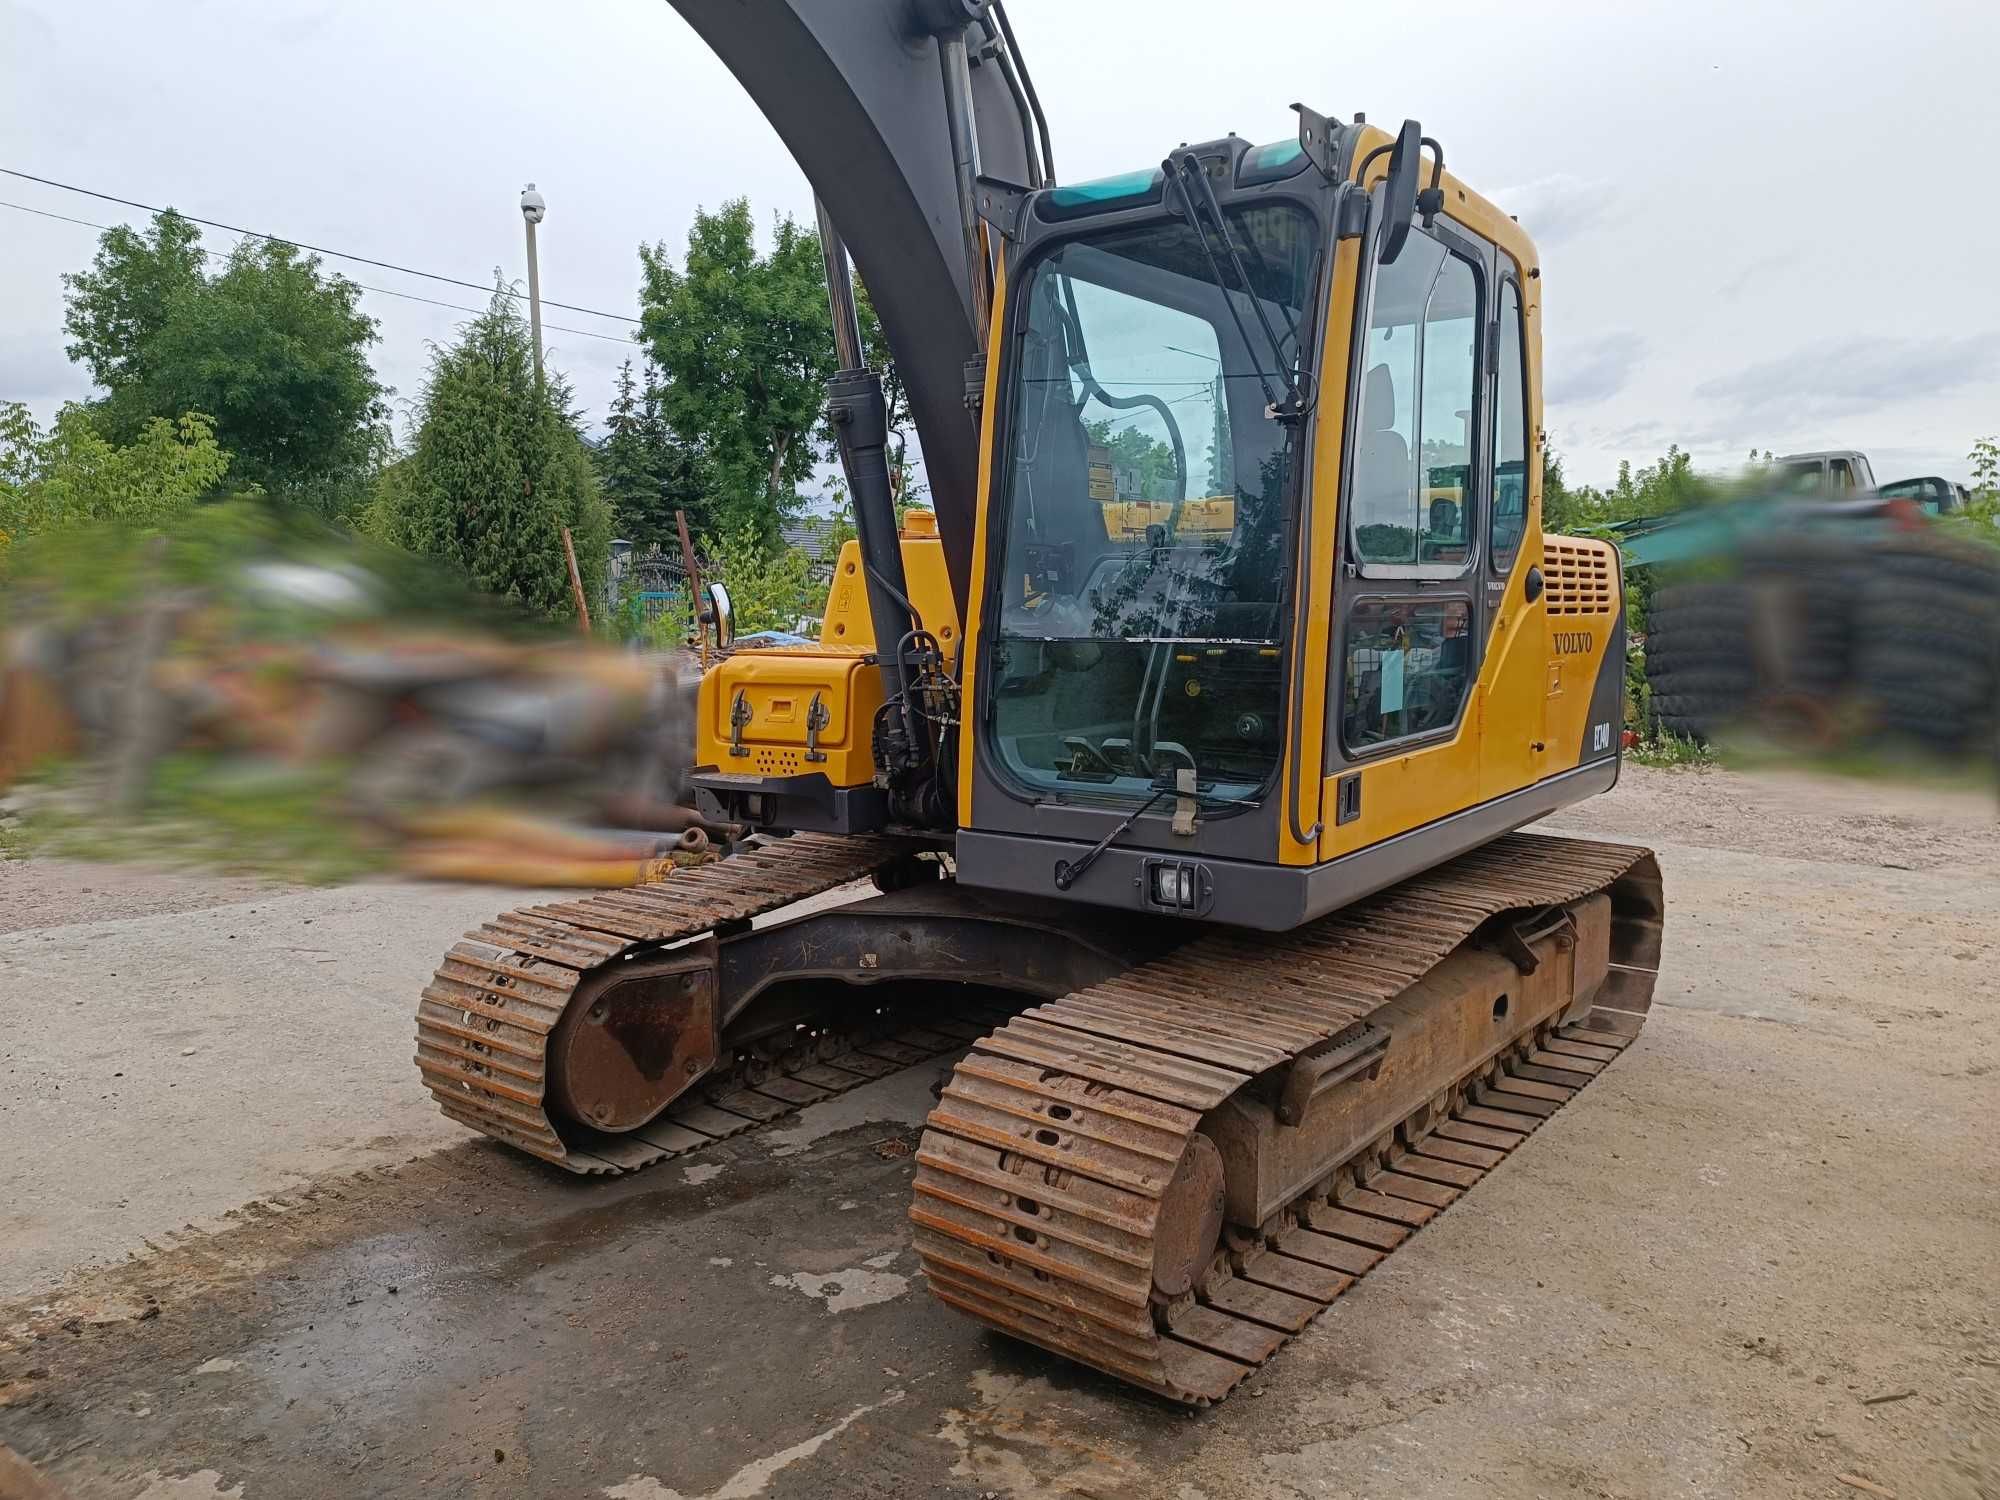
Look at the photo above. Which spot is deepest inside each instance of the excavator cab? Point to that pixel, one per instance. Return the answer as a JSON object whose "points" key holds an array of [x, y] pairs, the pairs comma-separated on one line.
{"points": [[1257, 618]]}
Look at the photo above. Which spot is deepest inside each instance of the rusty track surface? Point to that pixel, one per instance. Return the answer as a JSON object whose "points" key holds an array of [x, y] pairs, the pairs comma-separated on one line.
{"points": [[1056, 1169], [484, 1020]]}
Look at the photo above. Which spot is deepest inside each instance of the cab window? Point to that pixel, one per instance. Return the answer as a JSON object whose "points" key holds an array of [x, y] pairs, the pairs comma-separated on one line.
{"points": [[1407, 665], [1510, 437], [1412, 490]]}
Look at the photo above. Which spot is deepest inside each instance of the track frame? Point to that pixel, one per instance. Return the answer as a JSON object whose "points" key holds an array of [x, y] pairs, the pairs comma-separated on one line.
{"points": [[1053, 1200]]}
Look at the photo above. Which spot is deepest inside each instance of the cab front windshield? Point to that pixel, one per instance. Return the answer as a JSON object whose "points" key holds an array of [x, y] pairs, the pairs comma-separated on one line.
{"points": [[1142, 586]]}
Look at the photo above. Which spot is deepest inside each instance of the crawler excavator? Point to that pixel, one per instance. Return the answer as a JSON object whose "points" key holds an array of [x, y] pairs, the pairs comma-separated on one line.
{"points": [[1185, 743]]}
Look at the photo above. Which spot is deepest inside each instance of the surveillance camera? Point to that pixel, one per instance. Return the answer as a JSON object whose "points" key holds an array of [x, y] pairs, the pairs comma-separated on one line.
{"points": [[533, 205]]}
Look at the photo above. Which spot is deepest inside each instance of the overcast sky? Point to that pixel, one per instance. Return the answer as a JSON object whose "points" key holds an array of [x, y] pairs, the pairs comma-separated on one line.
{"points": [[1761, 224]]}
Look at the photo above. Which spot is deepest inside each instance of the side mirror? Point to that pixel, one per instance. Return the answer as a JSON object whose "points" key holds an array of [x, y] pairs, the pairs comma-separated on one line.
{"points": [[1399, 190], [718, 616]]}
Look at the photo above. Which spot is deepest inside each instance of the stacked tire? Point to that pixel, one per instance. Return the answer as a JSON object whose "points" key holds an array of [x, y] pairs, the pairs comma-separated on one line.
{"points": [[1698, 656], [1900, 635], [1928, 644]]}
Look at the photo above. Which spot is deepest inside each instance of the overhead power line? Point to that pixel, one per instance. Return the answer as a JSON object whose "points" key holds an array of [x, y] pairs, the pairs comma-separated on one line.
{"points": [[70, 187], [383, 291]]}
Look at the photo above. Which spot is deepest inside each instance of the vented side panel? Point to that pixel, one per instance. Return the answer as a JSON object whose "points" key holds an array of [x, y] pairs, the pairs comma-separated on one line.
{"points": [[1578, 575]]}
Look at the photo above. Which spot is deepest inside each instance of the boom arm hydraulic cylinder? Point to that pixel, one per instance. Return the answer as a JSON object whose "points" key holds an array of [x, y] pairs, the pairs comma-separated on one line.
{"points": [[859, 413]]}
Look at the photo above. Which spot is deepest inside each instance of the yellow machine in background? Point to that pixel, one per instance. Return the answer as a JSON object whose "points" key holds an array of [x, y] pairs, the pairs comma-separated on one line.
{"points": [[1198, 722]]}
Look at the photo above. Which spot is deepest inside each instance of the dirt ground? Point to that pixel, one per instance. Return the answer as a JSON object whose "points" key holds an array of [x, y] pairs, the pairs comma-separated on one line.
{"points": [[38, 893], [1757, 1257]]}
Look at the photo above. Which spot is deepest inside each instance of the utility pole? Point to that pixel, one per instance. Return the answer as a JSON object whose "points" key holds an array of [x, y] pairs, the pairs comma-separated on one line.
{"points": [[533, 208]]}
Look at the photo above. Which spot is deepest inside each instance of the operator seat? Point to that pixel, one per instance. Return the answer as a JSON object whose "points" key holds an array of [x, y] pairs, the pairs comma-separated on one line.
{"points": [[1382, 492]]}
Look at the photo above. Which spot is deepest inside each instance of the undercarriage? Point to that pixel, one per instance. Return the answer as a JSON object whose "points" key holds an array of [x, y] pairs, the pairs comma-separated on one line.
{"points": [[1159, 1154]]}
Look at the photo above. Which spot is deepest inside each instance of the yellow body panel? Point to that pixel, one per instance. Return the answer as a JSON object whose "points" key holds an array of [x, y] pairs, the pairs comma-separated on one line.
{"points": [[847, 623], [778, 688], [1319, 561], [1581, 607], [778, 684]]}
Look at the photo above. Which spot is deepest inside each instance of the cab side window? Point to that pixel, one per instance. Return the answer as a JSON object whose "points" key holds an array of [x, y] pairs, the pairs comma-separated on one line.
{"points": [[1510, 437], [1412, 489], [1408, 662]]}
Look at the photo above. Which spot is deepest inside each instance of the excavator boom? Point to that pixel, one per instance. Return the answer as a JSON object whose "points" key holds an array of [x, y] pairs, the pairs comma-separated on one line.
{"points": [[856, 90]]}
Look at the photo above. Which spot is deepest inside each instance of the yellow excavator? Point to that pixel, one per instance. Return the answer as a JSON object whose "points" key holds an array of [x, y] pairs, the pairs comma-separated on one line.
{"points": [[1185, 743]]}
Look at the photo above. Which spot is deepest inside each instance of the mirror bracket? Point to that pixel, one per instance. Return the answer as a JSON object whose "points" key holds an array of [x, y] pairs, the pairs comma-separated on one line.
{"points": [[1350, 213], [1002, 204], [1430, 202], [1316, 140]]}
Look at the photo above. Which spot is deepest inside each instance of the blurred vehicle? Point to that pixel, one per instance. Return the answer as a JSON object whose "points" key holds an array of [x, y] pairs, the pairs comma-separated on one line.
{"points": [[1934, 496], [1830, 471]]}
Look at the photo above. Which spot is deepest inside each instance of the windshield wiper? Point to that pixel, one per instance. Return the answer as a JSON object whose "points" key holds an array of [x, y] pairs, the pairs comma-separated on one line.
{"points": [[1181, 168], [1068, 874]]}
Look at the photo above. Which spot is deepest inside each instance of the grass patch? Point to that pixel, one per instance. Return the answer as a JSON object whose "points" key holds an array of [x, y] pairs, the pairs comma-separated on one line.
{"points": [[282, 823], [1663, 748], [1904, 762]]}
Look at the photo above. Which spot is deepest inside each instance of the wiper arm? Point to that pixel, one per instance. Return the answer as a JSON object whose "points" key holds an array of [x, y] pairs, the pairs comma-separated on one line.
{"points": [[1180, 169], [1067, 875]]}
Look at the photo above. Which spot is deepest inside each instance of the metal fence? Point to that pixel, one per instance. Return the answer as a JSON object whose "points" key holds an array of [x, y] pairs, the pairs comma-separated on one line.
{"points": [[657, 578]]}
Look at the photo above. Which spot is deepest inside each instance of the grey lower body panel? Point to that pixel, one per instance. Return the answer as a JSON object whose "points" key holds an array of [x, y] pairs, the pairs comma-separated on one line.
{"points": [[799, 804], [1270, 897]]}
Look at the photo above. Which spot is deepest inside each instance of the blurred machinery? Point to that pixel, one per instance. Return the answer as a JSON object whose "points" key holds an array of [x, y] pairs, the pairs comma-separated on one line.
{"points": [[280, 667], [1823, 615]]}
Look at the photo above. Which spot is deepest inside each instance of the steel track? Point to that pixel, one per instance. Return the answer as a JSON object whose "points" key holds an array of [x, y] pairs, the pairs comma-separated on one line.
{"points": [[484, 1021], [1048, 1174]]}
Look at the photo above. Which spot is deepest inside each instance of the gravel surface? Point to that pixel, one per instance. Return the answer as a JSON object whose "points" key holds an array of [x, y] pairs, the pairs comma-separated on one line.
{"points": [[63, 892], [1756, 1258]]}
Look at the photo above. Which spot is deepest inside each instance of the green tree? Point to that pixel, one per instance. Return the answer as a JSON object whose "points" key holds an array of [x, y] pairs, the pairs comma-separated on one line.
{"points": [[895, 396], [71, 475], [1670, 483], [1985, 461], [1221, 451], [1559, 506], [1147, 460], [622, 467], [496, 471], [770, 588], [745, 345], [646, 472], [271, 346], [115, 310], [741, 346]]}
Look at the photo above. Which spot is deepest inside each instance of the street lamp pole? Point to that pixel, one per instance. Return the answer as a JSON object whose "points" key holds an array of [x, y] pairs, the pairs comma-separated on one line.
{"points": [[533, 208]]}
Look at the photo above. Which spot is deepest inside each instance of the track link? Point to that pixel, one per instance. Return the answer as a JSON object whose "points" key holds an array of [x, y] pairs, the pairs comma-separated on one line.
{"points": [[484, 1020], [1063, 1180]]}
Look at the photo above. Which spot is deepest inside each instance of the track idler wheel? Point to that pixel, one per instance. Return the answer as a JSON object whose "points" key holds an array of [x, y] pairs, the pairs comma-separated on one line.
{"points": [[1190, 1222], [634, 1038]]}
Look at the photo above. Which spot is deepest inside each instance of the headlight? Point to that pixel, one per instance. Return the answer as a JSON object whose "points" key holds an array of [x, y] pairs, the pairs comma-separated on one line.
{"points": [[1173, 885]]}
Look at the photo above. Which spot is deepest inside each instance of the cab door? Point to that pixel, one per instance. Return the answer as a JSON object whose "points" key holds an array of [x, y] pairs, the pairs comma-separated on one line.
{"points": [[1410, 607], [1513, 696]]}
